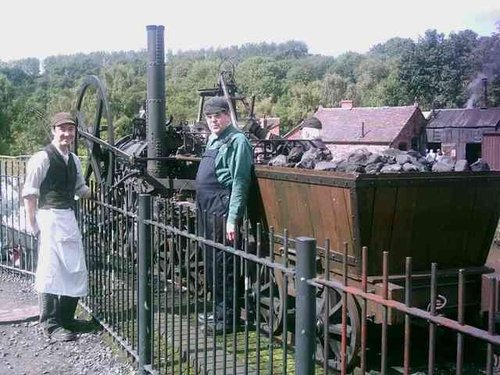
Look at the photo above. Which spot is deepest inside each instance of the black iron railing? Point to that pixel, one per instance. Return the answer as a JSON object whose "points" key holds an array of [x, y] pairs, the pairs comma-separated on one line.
{"points": [[291, 312]]}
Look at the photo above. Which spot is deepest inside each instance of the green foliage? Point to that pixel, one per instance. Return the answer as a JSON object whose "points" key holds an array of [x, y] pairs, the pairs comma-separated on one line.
{"points": [[286, 80], [334, 89], [347, 64], [6, 91]]}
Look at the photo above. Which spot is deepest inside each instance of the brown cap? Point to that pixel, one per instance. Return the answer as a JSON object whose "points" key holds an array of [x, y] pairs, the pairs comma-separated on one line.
{"points": [[312, 122], [215, 105], [62, 118]]}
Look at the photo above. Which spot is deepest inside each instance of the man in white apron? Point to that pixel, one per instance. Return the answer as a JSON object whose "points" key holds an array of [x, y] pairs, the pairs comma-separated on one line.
{"points": [[53, 179]]}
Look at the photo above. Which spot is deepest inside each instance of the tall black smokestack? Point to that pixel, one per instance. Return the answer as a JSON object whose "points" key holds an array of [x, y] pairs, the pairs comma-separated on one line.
{"points": [[485, 94], [155, 103]]}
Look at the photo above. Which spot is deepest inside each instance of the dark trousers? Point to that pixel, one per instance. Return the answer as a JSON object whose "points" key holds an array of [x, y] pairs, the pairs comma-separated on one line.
{"points": [[220, 267], [56, 310], [220, 279]]}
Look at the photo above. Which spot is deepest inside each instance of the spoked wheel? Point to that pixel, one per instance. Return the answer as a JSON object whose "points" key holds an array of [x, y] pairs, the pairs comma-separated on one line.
{"points": [[93, 113], [270, 298], [329, 317], [179, 259], [183, 267]]}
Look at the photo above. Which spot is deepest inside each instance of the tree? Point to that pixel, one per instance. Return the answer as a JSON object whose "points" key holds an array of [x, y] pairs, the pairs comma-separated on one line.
{"points": [[286, 80], [346, 65], [333, 90], [437, 70], [263, 77], [6, 93], [310, 68]]}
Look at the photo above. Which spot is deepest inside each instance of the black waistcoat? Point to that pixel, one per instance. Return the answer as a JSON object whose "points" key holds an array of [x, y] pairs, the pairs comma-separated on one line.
{"points": [[58, 188]]}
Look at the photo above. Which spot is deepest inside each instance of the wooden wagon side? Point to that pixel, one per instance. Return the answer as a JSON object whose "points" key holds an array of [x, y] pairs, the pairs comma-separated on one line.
{"points": [[448, 218]]}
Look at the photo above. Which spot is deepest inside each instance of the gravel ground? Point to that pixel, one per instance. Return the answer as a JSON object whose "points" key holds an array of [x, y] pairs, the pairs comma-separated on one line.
{"points": [[24, 350]]}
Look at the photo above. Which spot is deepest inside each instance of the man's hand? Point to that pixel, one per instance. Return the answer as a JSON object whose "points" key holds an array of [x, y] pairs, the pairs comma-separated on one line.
{"points": [[30, 207], [33, 228], [230, 231]]}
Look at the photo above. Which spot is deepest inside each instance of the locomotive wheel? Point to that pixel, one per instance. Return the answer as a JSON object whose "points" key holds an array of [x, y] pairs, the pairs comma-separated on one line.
{"points": [[180, 275], [334, 326], [270, 310], [92, 102]]}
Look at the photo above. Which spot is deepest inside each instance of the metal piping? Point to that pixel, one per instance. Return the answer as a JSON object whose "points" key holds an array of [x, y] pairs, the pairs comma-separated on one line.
{"points": [[155, 112]]}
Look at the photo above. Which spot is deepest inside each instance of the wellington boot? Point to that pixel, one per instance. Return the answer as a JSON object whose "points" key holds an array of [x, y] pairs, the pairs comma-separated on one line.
{"points": [[81, 326]]}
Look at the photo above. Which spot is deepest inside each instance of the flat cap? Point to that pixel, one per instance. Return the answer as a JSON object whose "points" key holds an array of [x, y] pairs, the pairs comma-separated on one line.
{"points": [[62, 118], [312, 122], [215, 105]]}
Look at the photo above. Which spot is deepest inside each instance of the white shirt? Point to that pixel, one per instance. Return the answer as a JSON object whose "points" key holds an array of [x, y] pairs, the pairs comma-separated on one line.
{"points": [[37, 169]]}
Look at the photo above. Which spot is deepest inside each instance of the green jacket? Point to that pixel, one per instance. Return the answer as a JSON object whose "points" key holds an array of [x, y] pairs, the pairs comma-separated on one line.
{"points": [[233, 168]]}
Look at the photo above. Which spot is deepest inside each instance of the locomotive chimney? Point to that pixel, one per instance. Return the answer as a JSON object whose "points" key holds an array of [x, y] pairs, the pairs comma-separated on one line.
{"points": [[155, 112], [485, 94]]}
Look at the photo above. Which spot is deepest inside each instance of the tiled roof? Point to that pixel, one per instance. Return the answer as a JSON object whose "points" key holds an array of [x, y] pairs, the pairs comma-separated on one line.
{"points": [[381, 124], [294, 133], [473, 117]]}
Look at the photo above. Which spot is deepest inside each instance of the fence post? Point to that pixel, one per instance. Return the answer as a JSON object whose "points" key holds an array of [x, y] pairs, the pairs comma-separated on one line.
{"points": [[144, 289], [305, 315]]}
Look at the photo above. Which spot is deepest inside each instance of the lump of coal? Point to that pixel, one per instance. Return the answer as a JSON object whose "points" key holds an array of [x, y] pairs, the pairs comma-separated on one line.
{"points": [[479, 166]]}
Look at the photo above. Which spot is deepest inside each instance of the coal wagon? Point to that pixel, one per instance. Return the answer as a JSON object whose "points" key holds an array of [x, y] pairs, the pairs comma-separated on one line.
{"points": [[443, 218]]}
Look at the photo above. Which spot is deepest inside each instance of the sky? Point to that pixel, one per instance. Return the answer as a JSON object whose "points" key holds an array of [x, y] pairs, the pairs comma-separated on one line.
{"points": [[41, 28]]}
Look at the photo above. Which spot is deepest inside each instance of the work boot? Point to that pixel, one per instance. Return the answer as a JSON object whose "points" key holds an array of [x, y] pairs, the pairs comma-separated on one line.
{"points": [[49, 311], [48, 304], [67, 310], [61, 334]]}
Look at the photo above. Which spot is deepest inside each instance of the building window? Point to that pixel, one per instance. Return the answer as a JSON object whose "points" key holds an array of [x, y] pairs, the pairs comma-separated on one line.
{"points": [[434, 146], [437, 136]]}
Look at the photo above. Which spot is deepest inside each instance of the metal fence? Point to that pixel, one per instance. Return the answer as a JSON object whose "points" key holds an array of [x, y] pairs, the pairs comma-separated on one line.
{"points": [[17, 248], [292, 311]]}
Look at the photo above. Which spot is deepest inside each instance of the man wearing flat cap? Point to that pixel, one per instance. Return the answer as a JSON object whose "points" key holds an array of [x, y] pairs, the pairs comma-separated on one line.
{"points": [[53, 179], [222, 186]]}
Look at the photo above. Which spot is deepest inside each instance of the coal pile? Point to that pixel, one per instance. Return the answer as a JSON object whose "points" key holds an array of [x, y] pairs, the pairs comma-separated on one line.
{"points": [[363, 161]]}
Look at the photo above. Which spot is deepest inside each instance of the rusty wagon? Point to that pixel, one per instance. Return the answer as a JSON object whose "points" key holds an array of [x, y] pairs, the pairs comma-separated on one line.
{"points": [[443, 218]]}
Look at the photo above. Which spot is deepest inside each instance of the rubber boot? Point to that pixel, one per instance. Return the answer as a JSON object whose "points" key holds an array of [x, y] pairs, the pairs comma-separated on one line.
{"points": [[67, 312], [68, 307], [49, 312]]}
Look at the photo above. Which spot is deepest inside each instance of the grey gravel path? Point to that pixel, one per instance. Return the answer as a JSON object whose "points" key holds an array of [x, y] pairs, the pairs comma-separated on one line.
{"points": [[25, 351]]}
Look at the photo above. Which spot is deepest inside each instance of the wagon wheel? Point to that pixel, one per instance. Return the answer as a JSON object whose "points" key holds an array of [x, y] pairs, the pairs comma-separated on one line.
{"points": [[190, 276], [92, 102], [270, 310], [334, 326], [179, 260]]}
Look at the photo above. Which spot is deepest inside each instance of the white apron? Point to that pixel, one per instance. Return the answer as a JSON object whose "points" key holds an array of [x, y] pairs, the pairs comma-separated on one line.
{"points": [[61, 265]]}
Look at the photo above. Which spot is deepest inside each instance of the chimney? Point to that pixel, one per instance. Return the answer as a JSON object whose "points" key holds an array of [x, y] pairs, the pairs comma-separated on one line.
{"points": [[485, 94], [346, 104], [362, 129]]}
